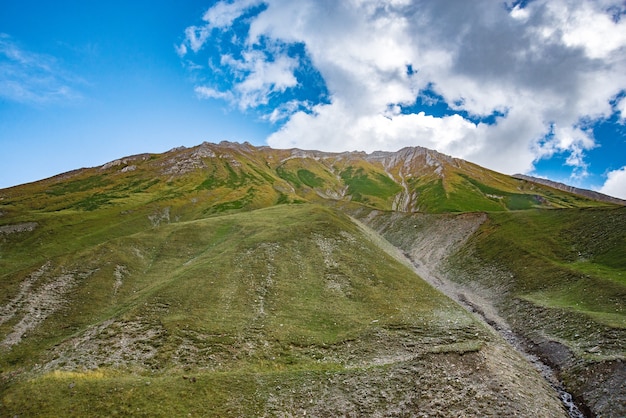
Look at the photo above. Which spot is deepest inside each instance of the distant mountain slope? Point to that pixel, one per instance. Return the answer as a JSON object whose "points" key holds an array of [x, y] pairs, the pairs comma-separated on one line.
{"points": [[582, 192], [213, 178]]}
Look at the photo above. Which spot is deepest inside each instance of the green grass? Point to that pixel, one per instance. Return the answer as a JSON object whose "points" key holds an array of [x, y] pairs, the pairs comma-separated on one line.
{"points": [[309, 178], [111, 393], [567, 263], [363, 186], [275, 292], [576, 300], [80, 185], [284, 174]]}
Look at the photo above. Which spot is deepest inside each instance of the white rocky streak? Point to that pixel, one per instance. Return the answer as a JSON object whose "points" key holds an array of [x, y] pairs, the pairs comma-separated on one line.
{"points": [[119, 274], [161, 215], [125, 161], [332, 194], [11, 229], [37, 304], [113, 343], [8, 311]]}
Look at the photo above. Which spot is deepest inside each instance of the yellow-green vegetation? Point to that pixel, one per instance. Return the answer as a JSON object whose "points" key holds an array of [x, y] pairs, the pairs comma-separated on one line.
{"points": [[477, 189], [216, 178], [559, 278], [556, 273]]}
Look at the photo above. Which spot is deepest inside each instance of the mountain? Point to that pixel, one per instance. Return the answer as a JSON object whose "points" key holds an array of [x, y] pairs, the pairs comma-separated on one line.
{"points": [[226, 176], [233, 280], [583, 192]]}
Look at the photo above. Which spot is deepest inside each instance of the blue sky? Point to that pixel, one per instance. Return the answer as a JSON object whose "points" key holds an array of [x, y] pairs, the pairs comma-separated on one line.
{"points": [[536, 87]]}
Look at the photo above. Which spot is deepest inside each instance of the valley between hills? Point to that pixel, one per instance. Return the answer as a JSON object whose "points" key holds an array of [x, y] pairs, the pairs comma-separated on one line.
{"points": [[233, 280]]}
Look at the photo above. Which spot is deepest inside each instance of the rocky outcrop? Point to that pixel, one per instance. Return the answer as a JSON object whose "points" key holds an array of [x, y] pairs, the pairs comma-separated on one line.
{"points": [[125, 162], [11, 229]]}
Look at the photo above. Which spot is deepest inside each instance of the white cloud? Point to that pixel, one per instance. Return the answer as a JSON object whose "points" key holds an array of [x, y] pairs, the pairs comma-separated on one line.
{"points": [[615, 184], [205, 92], [264, 77], [181, 50], [258, 77], [223, 14], [337, 127], [588, 25], [621, 108], [219, 16], [195, 37], [286, 110], [546, 67], [33, 78], [519, 13]]}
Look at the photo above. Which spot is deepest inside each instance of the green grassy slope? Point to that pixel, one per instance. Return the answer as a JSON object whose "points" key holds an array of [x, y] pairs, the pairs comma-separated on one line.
{"points": [[239, 314], [470, 188], [562, 282], [557, 277], [216, 178], [570, 261]]}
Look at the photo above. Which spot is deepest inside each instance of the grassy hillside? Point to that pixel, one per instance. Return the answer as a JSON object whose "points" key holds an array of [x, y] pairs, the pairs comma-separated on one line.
{"points": [[216, 178], [565, 275], [242, 315], [583, 252], [556, 277]]}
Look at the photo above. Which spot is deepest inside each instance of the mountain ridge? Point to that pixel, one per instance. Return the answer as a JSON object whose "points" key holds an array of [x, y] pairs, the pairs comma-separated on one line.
{"points": [[413, 179]]}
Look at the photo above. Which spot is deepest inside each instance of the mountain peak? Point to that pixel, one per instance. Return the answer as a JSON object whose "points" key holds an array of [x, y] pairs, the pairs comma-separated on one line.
{"points": [[240, 175]]}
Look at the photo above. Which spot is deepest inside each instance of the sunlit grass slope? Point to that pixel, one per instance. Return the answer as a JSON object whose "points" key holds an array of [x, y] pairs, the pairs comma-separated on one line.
{"points": [[239, 314], [559, 278], [216, 178], [567, 261], [466, 187]]}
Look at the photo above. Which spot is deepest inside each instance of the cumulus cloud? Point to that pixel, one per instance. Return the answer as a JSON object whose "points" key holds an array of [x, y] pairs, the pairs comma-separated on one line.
{"points": [[544, 69], [29, 77], [260, 77], [615, 184], [594, 26], [195, 38]]}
